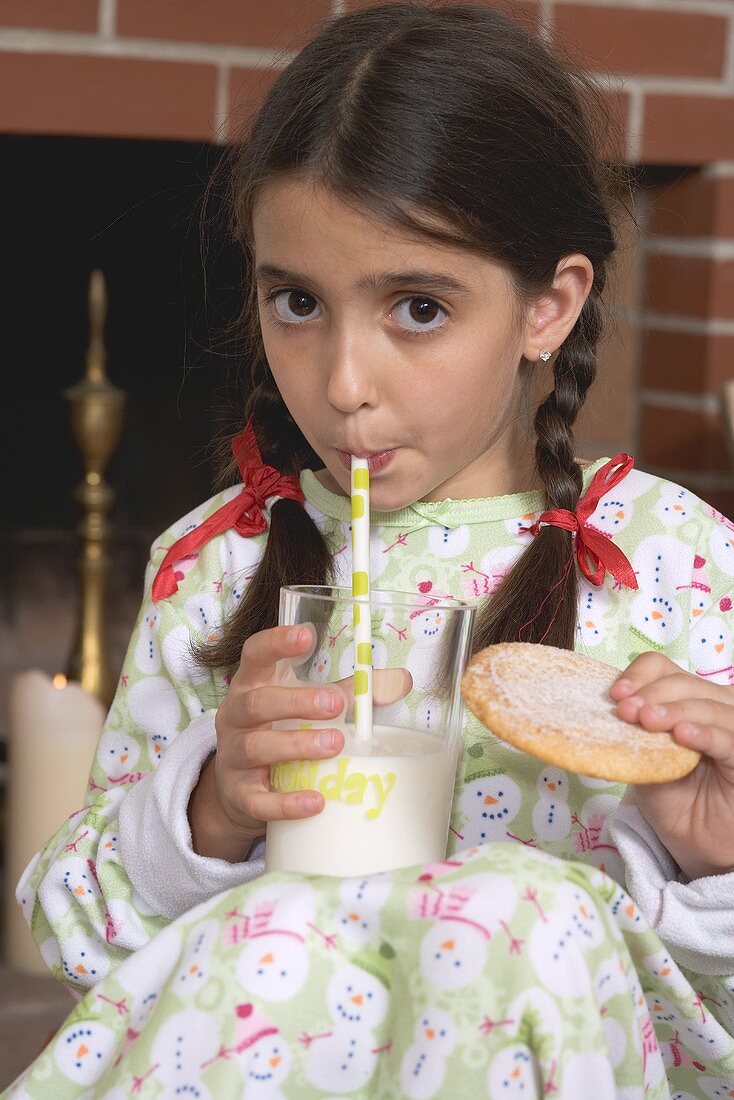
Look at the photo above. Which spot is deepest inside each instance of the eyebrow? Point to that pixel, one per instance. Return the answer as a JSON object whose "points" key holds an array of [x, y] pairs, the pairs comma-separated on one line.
{"points": [[436, 281]]}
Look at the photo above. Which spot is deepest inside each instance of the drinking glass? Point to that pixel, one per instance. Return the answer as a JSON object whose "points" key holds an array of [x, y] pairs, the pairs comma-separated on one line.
{"points": [[387, 798]]}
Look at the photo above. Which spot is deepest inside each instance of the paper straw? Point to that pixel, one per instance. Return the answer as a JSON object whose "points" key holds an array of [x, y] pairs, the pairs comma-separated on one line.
{"points": [[361, 593]]}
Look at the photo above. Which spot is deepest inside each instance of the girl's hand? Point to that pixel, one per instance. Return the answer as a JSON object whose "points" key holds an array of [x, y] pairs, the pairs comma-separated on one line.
{"points": [[232, 801], [693, 816]]}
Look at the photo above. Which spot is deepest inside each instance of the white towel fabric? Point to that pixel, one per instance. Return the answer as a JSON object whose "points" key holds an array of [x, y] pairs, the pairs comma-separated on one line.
{"points": [[695, 920], [155, 837]]}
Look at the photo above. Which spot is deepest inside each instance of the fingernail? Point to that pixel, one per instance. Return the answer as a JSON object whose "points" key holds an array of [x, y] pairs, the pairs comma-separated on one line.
{"points": [[326, 739], [294, 635], [657, 711], [326, 700], [636, 699], [623, 685], [310, 804]]}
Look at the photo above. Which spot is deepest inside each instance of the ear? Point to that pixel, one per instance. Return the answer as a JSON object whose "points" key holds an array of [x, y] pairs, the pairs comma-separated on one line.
{"points": [[554, 313]]}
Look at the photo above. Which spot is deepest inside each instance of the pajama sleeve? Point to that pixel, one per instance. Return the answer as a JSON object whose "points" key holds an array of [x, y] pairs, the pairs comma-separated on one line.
{"points": [[123, 866], [695, 919]]}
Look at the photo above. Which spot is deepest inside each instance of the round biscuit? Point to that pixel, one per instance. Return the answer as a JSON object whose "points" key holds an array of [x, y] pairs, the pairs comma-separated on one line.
{"points": [[555, 704]]}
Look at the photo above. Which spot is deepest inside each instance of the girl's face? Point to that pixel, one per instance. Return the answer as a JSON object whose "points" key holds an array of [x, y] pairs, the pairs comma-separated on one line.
{"points": [[384, 345]]}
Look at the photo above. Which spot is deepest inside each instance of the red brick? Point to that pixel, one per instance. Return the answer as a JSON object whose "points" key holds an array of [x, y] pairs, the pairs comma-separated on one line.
{"points": [[690, 286], [108, 96], [682, 439], [55, 15], [278, 23], [687, 129], [644, 43], [246, 91], [693, 206], [686, 362]]}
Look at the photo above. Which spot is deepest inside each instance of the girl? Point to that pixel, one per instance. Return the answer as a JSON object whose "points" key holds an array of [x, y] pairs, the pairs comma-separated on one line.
{"points": [[426, 224]]}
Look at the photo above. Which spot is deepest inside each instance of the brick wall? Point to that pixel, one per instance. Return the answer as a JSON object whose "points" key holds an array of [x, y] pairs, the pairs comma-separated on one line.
{"points": [[188, 69]]}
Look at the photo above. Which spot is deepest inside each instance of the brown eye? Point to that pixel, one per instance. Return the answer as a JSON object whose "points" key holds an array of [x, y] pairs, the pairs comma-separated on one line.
{"points": [[423, 310], [294, 305], [419, 313]]}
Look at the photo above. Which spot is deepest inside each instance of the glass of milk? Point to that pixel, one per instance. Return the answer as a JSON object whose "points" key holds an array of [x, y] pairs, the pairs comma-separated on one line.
{"points": [[387, 799]]}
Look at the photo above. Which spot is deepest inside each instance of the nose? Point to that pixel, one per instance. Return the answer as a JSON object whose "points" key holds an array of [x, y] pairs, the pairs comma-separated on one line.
{"points": [[352, 371]]}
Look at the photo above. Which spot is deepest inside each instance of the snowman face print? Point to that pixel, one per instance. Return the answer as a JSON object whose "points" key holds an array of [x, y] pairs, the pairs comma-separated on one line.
{"points": [[452, 955], [711, 646], [358, 917], [591, 628], [427, 625], [512, 1074], [193, 970], [181, 1048], [657, 618], [83, 961], [674, 506], [356, 998], [269, 1063], [79, 881], [700, 603], [551, 813], [423, 1067], [722, 549], [83, 1051], [436, 1029], [663, 967], [273, 966], [490, 804], [612, 515], [557, 946], [117, 755], [107, 847], [321, 664], [147, 650]]}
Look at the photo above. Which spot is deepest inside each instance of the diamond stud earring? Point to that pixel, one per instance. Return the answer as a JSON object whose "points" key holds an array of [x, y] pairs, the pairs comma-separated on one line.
{"points": [[545, 355]]}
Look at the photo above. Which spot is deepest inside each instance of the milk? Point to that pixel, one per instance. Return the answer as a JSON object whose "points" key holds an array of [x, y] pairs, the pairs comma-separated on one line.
{"points": [[388, 802]]}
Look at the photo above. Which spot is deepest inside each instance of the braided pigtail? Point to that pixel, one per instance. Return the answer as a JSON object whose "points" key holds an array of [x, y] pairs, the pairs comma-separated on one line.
{"points": [[537, 600], [296, 552]]}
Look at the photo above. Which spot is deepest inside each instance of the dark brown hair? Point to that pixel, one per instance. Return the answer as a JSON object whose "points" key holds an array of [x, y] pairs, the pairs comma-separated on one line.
{"points": [[459, 113]]}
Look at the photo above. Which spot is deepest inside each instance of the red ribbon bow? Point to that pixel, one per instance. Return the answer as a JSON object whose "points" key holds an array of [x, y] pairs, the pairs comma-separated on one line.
{"points": [[244, 512], [595, 551]]}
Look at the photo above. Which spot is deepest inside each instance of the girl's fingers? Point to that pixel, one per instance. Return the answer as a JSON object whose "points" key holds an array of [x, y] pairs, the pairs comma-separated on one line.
{"points": [[645, 669], [270, 703], [261, 748], [712, 741], [664, 716], [262, 651], [388, 685], [275, 806], [676, 687]]}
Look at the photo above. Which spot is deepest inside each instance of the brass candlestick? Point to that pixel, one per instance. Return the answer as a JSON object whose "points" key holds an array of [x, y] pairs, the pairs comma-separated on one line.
{"points": [[96, 421]]}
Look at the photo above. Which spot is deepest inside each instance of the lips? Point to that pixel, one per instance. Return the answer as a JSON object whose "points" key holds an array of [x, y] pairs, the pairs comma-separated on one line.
{"points": [[376, 461]]}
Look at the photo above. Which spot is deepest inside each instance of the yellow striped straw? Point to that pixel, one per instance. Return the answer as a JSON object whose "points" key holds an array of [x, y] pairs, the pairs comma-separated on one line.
{"points": [[361, 594]]}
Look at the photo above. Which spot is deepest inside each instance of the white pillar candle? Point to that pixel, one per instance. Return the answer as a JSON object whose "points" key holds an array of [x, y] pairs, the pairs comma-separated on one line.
{"points": [[54, 727]]}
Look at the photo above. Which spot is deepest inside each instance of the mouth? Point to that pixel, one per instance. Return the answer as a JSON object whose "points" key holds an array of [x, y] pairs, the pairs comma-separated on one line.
{"points": [[376, 462]]}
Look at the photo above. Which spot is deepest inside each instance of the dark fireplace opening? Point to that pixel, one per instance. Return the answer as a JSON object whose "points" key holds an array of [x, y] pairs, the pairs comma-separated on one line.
{"points": [[134, 210]]}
